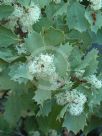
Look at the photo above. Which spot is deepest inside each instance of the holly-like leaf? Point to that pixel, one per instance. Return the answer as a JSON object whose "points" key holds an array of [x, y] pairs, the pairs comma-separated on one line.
{"points": [[45, 109], [34, 42], [7, 37], [90, 58], [61, 59], [42, 3], [8, 55], [17, 105], [5, 11], [53, 36], [20, 73], [75, 17], [7, 84], [94, 24], [74, 123], [95, 99], [41, 96]]}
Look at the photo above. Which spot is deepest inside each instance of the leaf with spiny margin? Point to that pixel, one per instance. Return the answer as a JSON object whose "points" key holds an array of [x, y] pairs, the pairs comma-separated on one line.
{"points": [[42, 3], [94, 99], [5, 11], [62, 113], [7, 37], [44, 22], [97, 38], [93, 122], [7, 84], [90, 62], [75, 17], [61, 10], [74, 123], [95, 26], [8, 55], [54, 10], [61, 59], [17, 105], [75, 58], [50, 122], [19, 72], [41, 96], [34, 42], [53, 36], [45, 109], [83, 39]]}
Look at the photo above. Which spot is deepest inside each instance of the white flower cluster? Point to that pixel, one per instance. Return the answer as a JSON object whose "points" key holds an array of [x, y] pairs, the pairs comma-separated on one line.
{"points": [[42, 66], [74, 99], [95, 4], [79, 73], [92, 79], [30, 17], [25, 17], [57, 1]]}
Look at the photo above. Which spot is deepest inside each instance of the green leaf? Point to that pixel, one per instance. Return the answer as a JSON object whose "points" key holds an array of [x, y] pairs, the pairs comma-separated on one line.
{"points": [[41, 96], [45, 109], [90, 58], [4, 126], [53, 36], [16, 106], [97, 38], [74, 123], [7, 84], [82, 39], [50, 122], [94, 99], [34, 42], [25, 3], [61, 59], [5, 11], [75, 17], [62, 113], [44, 22], [93, 122], [61, 10], [94, 25], [54, 10], [75, 61], [19, 72], [8, 55], [7, 37], [42, 3]]}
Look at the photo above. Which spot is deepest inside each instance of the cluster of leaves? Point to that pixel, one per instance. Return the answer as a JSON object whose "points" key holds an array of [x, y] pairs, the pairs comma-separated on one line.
{"points": [[69, 27]]}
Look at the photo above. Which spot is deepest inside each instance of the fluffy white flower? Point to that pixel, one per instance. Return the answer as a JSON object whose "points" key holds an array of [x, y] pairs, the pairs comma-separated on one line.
{"points": [[75, 110], [92, 79], [13, 18], [42, 66], [96, 4], [74, 99], [18, 11], [30, 17], [79, 73]]}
